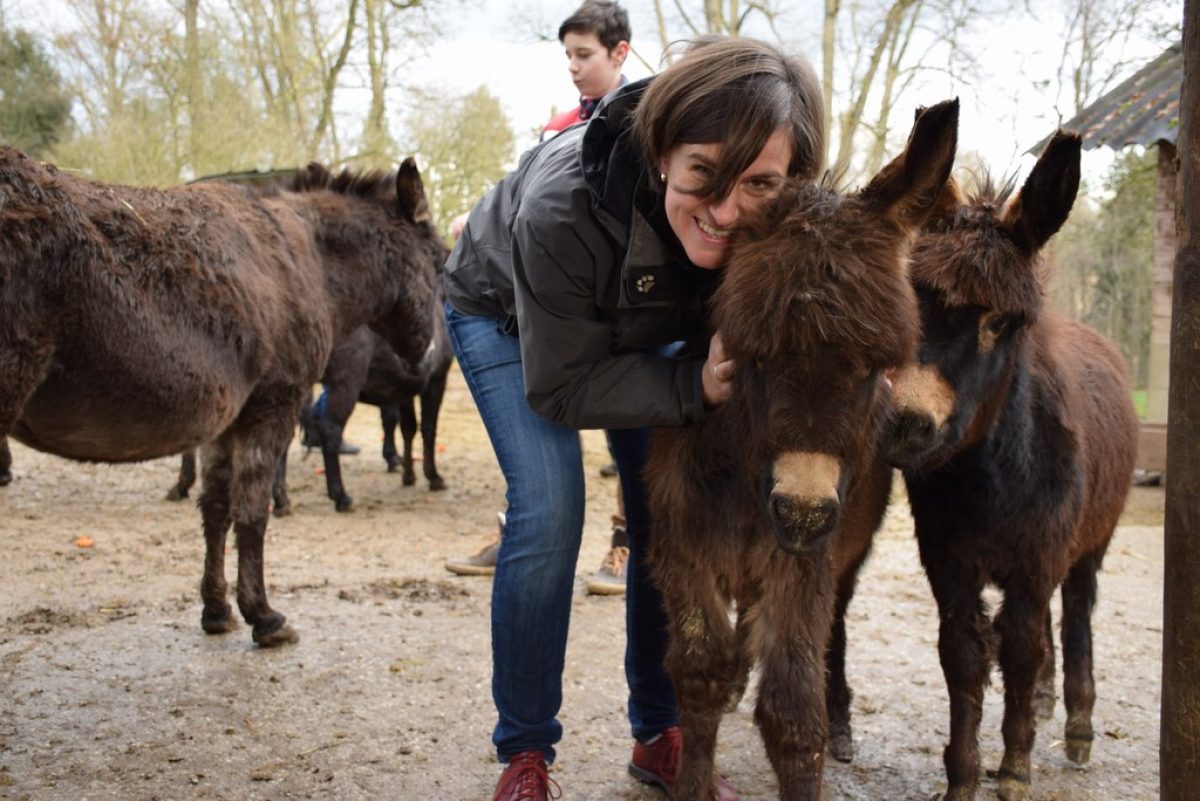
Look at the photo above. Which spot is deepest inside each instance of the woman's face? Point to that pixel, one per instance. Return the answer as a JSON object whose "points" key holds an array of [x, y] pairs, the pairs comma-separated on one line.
{"points": [[704, 225]]}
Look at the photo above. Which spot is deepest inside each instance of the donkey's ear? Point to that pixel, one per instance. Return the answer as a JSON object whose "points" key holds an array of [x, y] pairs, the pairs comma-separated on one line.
{"points": [[1048, 194], [410, 192], [908, 187]]}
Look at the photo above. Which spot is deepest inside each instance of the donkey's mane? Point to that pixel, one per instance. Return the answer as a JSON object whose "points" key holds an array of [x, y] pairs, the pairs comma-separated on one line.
{"points": [[368, 185], [967, 256], [807, 275]]}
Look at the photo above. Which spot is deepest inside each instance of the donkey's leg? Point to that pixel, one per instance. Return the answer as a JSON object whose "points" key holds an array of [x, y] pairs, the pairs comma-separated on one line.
{"points": [[431, 405], [741, 679], [796, 614], [281, 504], [1079, 688], [1021, 626], [702, 662], [408, 431], [339, 405], [838, 694], [264, 436], [216, 479], [966, 645], [389, 417], [26, 348], [187, 477], [1043, 692], [5, 462]]}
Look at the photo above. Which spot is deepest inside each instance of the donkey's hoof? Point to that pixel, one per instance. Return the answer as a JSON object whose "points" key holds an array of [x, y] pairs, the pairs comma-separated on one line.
{"points": [[1079, 750], [437, 484], [344, 504], [1013, 789], [1013, 781], [274, 632], [409, 479], [1043, 705], [282, 510], [841, 747], [393, 466], [960, 793], [175, 493], [5, 478], [218, 622]]}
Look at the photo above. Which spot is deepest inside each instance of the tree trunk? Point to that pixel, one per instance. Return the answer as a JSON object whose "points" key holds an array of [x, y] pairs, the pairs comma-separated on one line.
{"points": [[193, 87], [1165, 243], [828, 54], [1179, 767]]}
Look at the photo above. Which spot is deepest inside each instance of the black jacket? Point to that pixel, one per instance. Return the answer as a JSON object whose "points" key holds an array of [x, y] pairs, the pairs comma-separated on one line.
{"points": [[572, 252]]}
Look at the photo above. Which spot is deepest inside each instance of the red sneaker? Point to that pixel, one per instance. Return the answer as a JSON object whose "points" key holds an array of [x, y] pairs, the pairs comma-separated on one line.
{"points": [[525, 779], [658, 763]]}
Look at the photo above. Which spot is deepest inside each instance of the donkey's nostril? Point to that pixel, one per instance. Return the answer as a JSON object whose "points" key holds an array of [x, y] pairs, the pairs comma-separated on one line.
{"points": [[805, 520], [913, 432]]}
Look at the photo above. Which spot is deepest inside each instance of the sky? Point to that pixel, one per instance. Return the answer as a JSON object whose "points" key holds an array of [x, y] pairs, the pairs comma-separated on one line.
{"points": [[491, 43], [1003, 114]]}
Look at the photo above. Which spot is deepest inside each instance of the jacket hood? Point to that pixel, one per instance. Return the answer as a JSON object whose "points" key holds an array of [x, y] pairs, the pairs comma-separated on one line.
{"points": [[611, 160]]}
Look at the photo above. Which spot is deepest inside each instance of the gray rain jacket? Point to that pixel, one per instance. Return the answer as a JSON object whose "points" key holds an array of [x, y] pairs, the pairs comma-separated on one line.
{"points": [[571, 252]]}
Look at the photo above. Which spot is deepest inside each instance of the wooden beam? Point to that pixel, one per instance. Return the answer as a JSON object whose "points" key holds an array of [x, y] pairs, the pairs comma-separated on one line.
{"points": [[1179, 755], [1166, 243]]}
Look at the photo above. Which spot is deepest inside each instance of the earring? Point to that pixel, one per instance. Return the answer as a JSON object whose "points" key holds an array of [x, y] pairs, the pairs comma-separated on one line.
{"points": [[662, 176]]}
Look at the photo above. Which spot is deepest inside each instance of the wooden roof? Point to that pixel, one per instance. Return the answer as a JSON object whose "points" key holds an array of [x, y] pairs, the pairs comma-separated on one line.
{"points": [[1143, 110]]}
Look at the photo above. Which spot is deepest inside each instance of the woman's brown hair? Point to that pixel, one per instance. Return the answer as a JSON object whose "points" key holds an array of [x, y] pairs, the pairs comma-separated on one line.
{"points": [[734, 91]]}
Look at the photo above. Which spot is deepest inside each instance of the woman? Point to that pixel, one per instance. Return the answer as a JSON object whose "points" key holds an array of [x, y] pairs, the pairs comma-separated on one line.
{"points": [[570, 282]]}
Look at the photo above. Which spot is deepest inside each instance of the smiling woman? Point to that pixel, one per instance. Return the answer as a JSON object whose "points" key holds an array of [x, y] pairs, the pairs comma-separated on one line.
{"points": [[566, 292], [704, 223]]}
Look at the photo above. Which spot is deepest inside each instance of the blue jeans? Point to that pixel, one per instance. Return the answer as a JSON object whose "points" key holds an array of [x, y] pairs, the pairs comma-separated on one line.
{"points": [[535, 571]]}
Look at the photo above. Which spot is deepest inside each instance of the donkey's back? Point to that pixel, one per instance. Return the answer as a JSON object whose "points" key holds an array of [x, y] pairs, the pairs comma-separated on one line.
{"points": [[147, 316]]}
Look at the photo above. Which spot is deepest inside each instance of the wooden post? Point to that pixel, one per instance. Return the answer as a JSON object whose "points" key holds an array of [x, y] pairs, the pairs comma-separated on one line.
{"points": [[1165, 244], [1179, 755]]}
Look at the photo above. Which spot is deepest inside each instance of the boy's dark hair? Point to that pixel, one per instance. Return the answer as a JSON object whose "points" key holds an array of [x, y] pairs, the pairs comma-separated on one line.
{"points": [[605, 18]]}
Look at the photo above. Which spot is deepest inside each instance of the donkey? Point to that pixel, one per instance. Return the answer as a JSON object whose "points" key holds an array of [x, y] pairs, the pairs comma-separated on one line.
{"points": [[1016, 435], [748, 506], [5, 462], [137, 323], [364, 368]]}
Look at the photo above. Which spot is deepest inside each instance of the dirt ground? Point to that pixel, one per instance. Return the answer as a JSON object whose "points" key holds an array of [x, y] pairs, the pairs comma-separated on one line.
{"points": [[110, 690]]}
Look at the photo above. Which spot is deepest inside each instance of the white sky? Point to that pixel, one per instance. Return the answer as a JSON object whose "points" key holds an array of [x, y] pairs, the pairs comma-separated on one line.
{"points": [[489, 43], [1001, 117]]}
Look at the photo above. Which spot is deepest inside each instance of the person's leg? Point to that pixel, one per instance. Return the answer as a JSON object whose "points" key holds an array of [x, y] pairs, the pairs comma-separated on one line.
{"points": [[651, 695], [610, 577], [535, 569]]}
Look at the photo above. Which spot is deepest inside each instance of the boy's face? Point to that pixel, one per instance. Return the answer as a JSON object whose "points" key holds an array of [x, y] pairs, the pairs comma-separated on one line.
{"points": [[594, 70]]}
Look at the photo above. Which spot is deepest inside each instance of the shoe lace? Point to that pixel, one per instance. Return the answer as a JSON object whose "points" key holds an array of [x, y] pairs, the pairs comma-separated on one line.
{"points": [[615, 559], [526, 779]]}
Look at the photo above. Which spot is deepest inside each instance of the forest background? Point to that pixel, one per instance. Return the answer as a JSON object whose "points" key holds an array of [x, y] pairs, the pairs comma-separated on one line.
{"points": [[165, 91]]}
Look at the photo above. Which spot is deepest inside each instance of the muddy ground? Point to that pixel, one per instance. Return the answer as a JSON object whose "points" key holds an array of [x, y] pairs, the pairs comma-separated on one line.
{"points": [[109, 689]]}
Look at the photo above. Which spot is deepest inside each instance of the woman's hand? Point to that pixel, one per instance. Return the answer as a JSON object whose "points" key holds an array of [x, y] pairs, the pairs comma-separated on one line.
{"points": [[716, 377]]}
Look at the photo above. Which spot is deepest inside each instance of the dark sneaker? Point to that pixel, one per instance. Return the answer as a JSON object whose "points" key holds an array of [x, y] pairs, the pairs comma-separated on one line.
{"points": [[526, 779], [657, 762], [483, 561], [610, 578], [609, 470]]}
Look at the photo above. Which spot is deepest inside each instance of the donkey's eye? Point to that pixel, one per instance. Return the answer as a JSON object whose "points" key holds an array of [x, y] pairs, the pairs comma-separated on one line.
{"points": [[992, 325]]}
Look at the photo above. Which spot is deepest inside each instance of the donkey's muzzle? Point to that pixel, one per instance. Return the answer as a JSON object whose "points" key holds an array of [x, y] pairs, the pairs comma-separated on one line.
{"points": [[913, 435], [801, 525]]}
